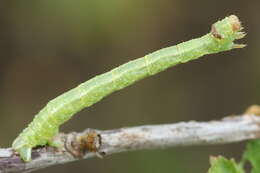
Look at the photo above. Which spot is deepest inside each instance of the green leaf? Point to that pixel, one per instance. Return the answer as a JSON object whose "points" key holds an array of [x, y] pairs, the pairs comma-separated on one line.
{"points": [[223, 165], [252, 154]]}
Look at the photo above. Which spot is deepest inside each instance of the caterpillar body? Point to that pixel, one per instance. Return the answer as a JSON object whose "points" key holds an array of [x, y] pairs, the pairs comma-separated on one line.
{"points": [[59, 110]]}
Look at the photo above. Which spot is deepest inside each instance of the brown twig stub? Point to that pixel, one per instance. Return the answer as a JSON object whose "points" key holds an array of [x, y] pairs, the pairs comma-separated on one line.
{"points": [[79, 144], [92, 141]]}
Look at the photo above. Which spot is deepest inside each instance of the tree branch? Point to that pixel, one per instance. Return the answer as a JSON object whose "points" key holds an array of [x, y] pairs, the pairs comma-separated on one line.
{"points": [[92, 143]]}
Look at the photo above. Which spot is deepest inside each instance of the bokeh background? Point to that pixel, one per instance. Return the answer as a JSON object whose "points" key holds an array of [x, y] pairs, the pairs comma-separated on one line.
{"points": [[50, 46]]}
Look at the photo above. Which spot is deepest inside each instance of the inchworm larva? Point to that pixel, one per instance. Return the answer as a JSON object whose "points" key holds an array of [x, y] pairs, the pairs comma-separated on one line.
{"points": [[46, 123]]}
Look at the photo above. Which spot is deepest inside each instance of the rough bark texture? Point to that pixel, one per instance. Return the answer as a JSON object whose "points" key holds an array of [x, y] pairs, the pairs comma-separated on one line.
{"points": [[92, 142]]}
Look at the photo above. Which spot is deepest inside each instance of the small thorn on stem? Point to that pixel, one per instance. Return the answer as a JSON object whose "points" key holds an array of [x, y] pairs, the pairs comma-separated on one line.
{"points": [[100, 154]]}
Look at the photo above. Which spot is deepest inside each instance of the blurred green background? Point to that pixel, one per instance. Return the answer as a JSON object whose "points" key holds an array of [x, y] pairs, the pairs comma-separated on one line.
{"points": [[50, 46]]}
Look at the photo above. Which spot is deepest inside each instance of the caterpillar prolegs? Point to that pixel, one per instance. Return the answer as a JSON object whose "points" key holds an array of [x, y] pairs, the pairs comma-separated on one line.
{"points": [[46, 123]]}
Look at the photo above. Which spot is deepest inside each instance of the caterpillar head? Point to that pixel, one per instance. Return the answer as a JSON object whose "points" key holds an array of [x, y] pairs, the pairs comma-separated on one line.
{"points": [[226, 32]]}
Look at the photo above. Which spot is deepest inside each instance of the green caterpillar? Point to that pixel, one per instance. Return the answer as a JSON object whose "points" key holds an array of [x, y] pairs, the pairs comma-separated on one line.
{"points": [[59, 110]]}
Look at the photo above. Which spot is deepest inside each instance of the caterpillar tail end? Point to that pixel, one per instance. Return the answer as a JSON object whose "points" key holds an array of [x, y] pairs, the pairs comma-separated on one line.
{"points": [[25, 153]]}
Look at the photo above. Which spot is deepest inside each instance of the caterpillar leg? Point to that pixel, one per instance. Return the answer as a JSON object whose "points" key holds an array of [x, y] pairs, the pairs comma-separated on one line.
{"points": [[25, 153], [54, 143]]}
